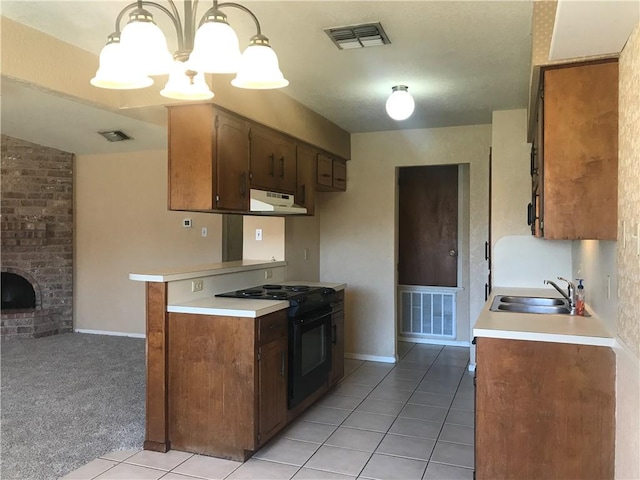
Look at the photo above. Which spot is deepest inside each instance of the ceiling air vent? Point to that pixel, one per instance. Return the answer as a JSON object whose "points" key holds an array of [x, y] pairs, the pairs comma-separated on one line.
{"points": [[115, 136], [358, 36]]}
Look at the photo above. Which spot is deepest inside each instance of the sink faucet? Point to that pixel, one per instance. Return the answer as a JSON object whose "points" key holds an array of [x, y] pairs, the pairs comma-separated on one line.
{"points": [[570, 295]]}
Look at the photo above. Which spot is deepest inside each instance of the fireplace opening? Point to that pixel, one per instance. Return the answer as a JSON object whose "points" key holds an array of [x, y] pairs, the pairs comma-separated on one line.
{"points": [[17, 292]]}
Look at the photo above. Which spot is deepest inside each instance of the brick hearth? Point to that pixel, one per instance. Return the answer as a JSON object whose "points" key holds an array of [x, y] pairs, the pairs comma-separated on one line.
{"points": [[37, 234]]}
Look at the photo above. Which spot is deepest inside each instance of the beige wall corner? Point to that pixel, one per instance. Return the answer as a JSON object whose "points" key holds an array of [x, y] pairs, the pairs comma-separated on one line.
{"points": [[271, 246], [358, 242], [302, 248], [123, 226]]}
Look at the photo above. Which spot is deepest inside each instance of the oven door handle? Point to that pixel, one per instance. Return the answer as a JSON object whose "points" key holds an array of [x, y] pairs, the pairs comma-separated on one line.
{"points": [[308, 321]]}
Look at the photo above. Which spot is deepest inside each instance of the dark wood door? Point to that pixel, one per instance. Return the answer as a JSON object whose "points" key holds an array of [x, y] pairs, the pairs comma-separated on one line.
{"points": [[272, 390], [428, 226], [233, 163]]}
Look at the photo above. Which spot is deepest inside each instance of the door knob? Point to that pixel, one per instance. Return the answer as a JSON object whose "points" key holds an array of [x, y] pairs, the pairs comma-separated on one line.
{"points": [[452, 253]]}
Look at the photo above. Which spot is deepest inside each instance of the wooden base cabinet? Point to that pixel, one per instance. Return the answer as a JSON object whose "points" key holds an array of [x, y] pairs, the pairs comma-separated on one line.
{"points": [[227, 383], [544, 410]]}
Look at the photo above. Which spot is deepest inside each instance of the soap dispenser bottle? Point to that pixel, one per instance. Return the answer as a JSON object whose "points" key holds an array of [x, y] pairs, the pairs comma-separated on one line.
{"points": [[580, 297]]}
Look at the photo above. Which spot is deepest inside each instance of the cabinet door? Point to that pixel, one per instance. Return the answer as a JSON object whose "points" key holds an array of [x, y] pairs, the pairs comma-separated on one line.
{"points": [[272, 161], [339, 175], [192, 173], [581, 152], [272, 388], [232, 162], [306, 166], [325, 171]]}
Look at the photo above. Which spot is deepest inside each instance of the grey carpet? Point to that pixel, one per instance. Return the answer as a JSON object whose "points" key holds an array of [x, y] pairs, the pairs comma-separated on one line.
{"points": [[66, 400]]}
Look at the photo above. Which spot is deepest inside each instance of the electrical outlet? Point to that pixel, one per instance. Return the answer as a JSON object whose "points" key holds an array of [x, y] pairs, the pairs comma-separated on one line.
{"points": [[268, 274], [197, 285]]}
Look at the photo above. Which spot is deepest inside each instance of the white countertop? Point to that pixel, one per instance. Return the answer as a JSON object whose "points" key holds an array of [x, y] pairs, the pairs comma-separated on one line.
{"points": [[183, 273], [242, 307], [537, 327]]}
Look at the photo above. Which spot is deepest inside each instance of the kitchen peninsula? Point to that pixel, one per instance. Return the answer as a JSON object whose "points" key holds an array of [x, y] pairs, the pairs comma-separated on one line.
{"points": [[223, 374]]}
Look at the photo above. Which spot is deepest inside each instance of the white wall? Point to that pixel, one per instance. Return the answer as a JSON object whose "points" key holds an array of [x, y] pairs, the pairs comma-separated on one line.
{"points": [[519, 259], [357, 244], [122, 225]]}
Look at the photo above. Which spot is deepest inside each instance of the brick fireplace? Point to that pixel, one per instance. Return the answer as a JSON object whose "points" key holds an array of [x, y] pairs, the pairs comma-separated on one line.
{"points": [[37, 239]]}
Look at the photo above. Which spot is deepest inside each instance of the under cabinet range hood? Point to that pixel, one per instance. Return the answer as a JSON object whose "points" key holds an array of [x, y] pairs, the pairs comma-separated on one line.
{"points": [[274, 203]]}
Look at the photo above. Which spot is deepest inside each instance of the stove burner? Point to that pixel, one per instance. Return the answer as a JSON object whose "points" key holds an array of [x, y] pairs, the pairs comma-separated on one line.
{"points": [[272, 287], [249, 293], [277, 295], [297, 288]]}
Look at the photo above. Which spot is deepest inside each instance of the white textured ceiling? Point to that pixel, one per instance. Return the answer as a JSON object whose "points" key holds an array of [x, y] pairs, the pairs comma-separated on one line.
{"points": [[460, 59]]}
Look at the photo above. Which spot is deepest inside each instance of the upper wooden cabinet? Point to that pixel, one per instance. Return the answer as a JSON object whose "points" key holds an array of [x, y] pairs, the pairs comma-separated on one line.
{"points": [[575, 158], [272, 161], [208, 159], [306, 188], [331, 174]]}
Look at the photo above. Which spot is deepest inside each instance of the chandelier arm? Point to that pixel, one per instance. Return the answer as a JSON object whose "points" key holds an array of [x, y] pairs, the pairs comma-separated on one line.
{"points": [[176, 21], [244, 9]]}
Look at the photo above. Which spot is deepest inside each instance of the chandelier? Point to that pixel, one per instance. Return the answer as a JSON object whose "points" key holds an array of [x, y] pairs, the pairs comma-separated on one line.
{"points": [[138, 52]]}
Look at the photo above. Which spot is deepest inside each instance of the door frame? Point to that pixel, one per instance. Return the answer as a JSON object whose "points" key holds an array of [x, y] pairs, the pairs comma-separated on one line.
{"points": [[464, 253]]}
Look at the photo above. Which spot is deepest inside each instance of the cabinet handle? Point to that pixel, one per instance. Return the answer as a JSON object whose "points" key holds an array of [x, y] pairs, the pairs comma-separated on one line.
{"points": [[281, 167], [303, 192], [486, 250], [282, 363], [325, 175], [530, 217], [243, 185], [486, 292], [272, 159], [340, 180], [533, 168], [334, 334]]}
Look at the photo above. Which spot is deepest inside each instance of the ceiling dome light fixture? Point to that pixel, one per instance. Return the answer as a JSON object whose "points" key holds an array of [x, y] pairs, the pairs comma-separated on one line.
{"points": [[400, 103], [132, 56]]}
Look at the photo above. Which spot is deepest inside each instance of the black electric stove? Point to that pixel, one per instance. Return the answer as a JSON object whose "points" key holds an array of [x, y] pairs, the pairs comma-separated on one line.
{"points": [[302, 298]]}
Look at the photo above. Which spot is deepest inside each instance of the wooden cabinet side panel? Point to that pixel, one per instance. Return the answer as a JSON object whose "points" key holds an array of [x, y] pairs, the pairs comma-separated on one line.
{"points": [[581, 152], [192, 172], [156, 427], [544, 410], [212, 384], [233, 163], [306, 175]]}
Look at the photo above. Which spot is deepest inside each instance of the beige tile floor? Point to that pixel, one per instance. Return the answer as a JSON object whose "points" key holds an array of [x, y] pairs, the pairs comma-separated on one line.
{"points": [[409, 421]]}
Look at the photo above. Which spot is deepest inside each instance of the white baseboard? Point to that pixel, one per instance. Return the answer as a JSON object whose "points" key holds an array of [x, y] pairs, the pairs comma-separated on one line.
{"points": [[370, 358], [108, 332], [435, 341]]}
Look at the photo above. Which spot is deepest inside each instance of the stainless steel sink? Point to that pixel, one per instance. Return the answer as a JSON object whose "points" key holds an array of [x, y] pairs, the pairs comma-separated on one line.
{"points": [[543, 309], [538, 305]]}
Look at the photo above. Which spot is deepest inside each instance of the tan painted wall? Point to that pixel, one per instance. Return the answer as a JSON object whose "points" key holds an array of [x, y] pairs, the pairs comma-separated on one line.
{"points": [[303, 233], [358, 241], [272, 243], [628, 323], [123, 226]]}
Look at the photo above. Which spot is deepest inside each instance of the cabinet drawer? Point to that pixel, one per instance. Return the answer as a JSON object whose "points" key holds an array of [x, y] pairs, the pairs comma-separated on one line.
{"points": [[339, 176], [325, 171], [272, 326]]}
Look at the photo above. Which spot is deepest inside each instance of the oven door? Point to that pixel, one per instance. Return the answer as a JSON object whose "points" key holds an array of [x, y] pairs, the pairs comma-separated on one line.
{"points": [[309, 354]]}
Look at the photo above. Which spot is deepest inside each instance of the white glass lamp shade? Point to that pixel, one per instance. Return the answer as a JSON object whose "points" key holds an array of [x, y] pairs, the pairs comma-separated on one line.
{"points": [[117, 71], [184, 87], [144, 40], [259, 68], [400, 103], [215, 49]]}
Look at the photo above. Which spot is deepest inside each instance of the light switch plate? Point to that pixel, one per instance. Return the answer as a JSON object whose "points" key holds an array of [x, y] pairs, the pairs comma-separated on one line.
{"points": [[258, 234]]}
